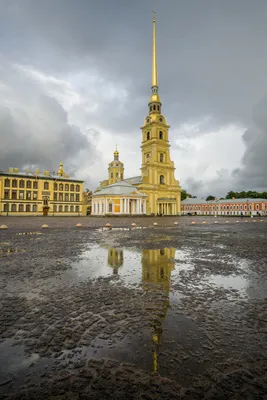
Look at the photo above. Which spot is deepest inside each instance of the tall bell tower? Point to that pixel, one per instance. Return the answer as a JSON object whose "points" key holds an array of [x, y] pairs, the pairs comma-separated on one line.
{"points": [[158, 180]]}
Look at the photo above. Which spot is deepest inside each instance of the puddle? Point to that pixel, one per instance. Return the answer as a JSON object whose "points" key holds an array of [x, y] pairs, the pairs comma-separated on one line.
{"points": [[236, 282], [15, 363]]}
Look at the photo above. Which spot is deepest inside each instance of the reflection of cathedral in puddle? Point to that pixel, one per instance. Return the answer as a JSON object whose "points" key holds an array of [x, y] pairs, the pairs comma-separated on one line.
{"points": [[157, 266], [115, 259]]}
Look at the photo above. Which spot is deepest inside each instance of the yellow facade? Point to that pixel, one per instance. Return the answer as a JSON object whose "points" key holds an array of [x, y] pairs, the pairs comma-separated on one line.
{"points": [[158, 180], [31, 194]]}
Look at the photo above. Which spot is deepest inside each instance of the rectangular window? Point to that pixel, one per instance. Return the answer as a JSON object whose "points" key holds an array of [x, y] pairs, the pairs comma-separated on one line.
{"points": [[71, 208], [21, 195], [77, 208], [28, 195], [55, 186], [54, 208], [14, 195], [46, 186], [60, 209], [110, 207], [66, 209], [21, 208], [7, 182], [72, 197], [66, 197], [14, 183], [55, 196], [77, 197], [28, 208], [5, 207], [6, 194], [28, 185], [77, 188], [35, 185], [60, 186], [35, 195], [60, 196], [34, 208], [13, 207], [21, 184], [72, 188]]}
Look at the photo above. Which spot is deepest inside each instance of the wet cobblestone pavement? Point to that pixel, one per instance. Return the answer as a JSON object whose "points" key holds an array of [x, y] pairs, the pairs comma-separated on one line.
{"points": [[162, 312]]}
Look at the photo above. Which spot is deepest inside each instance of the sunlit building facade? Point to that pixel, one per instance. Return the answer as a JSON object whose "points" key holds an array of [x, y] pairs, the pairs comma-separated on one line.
{"points": [[224, 207], [35, 193]]}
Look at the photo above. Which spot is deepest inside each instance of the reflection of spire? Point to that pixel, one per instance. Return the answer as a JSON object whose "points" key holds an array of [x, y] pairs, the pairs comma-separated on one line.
{"points": [[157, 266], [115, 259]]}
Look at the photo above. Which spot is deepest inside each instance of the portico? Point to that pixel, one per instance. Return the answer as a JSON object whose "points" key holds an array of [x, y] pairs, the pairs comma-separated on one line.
{"points": [[121, 198]]}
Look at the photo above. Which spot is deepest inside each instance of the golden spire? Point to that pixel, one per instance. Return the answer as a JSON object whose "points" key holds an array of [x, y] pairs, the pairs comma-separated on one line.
{"points": [[116, 153], [154, 98], [154, 54]]}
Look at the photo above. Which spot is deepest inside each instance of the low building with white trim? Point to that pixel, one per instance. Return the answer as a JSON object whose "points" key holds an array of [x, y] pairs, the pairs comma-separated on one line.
{"points": [[224, 207], [120, 198]]}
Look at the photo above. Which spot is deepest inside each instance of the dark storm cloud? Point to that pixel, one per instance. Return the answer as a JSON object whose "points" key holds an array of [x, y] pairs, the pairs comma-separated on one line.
{"points": [[212, 58], [253, 172]]}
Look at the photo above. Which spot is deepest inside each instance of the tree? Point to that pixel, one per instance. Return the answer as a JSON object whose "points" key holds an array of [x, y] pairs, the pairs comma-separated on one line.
{"points": [[210, 197], [184, 194]]}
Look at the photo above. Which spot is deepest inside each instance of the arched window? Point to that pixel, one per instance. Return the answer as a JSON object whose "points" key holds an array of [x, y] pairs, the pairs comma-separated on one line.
{"points": [[161, 179], [7, 182], [14, 183], [21, 208], [160, 119], [72, 188], [154, 108], [21, 183], [77, 188], [161, 157], [55, 186], [158, 108], [61, 186], [161, 135], [67, 187], [13, 207], [148, 136], [28, 184], [28, 208]]}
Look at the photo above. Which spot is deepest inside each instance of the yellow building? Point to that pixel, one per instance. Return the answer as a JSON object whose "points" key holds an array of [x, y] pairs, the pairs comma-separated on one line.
{"points": [[28, 193], [157, 178], [121, 198]]}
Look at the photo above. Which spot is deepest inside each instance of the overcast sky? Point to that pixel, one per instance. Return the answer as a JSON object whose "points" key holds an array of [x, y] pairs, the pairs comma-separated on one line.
{"points": [[75, 79]]}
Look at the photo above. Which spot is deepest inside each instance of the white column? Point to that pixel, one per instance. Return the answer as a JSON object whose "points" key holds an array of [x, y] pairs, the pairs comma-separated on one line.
{"points": [[128, 206], [106, 205]]}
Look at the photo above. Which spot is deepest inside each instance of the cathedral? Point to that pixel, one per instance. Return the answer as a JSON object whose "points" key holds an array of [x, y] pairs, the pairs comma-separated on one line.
{"points": [[155, 191]]}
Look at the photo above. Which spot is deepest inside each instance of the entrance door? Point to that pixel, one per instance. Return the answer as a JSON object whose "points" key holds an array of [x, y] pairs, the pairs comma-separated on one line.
{"points": [[45, 211]]}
